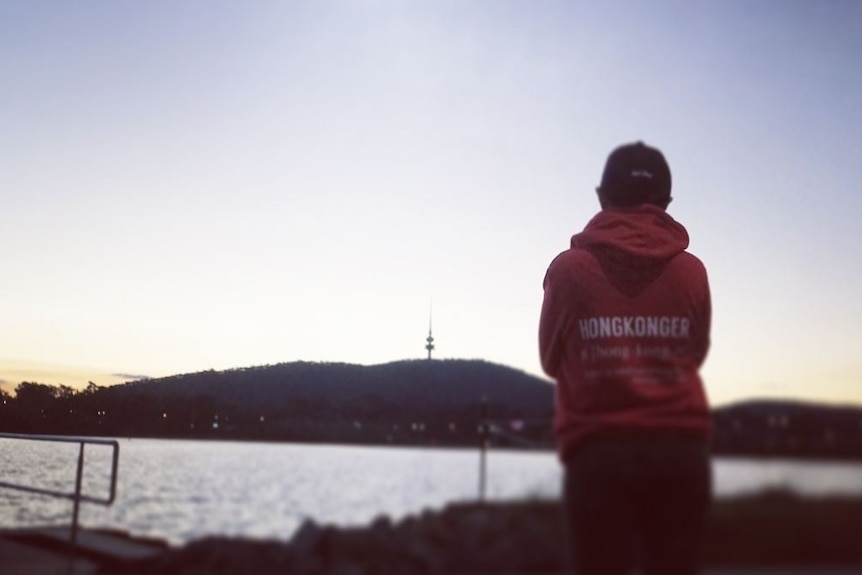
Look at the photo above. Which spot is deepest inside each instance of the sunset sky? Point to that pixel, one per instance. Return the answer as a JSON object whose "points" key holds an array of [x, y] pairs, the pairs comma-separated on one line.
{"points": [[205, 184]]}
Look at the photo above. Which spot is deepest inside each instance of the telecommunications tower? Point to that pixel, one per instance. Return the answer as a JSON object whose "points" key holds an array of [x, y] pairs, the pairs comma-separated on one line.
{"points": [[430, 339]]}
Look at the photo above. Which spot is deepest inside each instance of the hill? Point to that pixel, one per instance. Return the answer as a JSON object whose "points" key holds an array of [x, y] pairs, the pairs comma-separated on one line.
{"points": [[437, 384], [421, 402], [405, 402]]}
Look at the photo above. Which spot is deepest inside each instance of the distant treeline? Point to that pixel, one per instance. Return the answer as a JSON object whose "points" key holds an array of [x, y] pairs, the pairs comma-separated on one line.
{"points": [[400, 403], [788, 429]]}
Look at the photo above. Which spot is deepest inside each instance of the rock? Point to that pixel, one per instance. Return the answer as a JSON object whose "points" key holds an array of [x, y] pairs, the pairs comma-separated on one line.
{"points": [[346, 568], [307, 537], [467, 538], [426, 557]]}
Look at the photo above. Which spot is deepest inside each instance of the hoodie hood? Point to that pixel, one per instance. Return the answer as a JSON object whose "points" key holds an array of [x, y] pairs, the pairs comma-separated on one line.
{"points": [[645, 232], [632, 246]]}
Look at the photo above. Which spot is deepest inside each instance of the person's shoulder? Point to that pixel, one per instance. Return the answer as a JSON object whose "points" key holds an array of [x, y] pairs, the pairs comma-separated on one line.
{"points": [[571, 258], [689, 259], [568, 265], [690, 266]]}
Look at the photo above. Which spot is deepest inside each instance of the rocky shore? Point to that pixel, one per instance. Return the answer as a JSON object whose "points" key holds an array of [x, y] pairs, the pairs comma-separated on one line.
{"points": [[519, 537]]}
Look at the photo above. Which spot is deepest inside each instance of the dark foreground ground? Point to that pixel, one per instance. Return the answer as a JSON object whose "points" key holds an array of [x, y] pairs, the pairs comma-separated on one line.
{"points": [[771, 530]]}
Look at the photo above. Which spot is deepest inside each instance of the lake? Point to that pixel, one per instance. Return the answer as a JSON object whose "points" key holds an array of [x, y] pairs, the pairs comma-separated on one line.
{"points": [[183, 490]]}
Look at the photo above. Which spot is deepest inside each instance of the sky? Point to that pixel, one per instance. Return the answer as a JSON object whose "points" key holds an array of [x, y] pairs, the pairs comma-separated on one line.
{"points": [[209, 184]]}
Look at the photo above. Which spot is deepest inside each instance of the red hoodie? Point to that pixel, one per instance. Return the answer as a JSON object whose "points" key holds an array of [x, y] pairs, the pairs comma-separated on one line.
{"points": [[624, 329]]}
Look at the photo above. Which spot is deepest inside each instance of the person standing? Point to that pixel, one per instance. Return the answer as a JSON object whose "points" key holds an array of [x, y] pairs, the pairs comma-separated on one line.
{"points": [[624, 329]]}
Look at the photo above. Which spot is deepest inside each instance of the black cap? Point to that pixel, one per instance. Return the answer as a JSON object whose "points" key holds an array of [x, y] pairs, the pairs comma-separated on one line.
{"points": [[636, 174]]}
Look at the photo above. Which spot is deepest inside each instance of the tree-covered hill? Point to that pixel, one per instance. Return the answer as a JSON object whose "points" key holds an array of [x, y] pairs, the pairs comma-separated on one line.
{"points": [[418, 383], [421, 402], [406, 402]]}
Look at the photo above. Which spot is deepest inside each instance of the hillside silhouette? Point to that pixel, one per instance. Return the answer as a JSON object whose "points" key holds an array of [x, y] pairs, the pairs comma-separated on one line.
{"points": [[439, 402], [423, 384], [417, 402]]}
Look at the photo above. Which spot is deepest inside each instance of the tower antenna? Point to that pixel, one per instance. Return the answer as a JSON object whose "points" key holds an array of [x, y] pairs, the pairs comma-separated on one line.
{"points": [[430, 339]]}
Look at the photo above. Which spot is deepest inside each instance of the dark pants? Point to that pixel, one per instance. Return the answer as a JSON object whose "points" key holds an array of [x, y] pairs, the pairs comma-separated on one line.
{"points": [[637, 501]]}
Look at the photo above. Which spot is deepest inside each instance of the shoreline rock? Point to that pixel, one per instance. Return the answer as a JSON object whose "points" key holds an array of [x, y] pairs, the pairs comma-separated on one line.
{"points": [[463, 538], [775, 528]]}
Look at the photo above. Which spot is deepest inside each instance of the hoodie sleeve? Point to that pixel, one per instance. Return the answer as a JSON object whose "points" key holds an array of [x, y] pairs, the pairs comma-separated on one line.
{"points": [[553, 322]]}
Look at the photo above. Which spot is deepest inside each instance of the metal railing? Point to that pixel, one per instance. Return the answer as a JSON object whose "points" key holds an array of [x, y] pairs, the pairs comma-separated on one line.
{"points": [[77, 497]]}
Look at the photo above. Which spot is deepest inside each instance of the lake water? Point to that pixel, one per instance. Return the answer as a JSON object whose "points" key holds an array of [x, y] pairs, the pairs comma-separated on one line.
{"points": [[183, 490]]}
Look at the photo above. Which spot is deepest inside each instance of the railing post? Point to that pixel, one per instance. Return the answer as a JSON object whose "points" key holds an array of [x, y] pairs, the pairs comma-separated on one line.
{"points": [[483, 447], [77, 500]]}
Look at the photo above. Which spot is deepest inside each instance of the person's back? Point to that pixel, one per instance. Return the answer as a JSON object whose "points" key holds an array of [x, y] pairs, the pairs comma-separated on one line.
{"points": [[624, 329]]}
